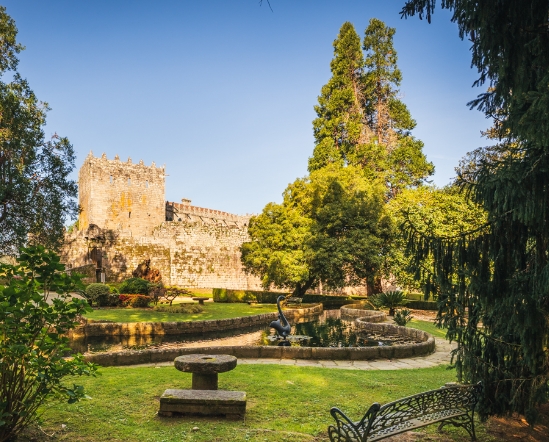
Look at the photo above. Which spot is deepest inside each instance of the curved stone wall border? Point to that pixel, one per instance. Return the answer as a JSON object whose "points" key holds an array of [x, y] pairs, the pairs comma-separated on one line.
{"points": [[368, 315], [194, 327], [427, 341], [348, 354]]}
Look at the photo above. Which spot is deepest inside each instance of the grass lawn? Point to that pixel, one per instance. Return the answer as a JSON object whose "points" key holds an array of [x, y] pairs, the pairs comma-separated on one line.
{"points": [[212, 310], [428, 327], [285, 403], [206, 293]]}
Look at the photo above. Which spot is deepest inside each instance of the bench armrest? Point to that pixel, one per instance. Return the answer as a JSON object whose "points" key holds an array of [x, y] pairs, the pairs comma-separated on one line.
{"points": [[353, 430]]}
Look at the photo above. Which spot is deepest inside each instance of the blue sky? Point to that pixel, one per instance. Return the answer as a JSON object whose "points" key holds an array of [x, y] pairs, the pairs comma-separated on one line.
{"points": [[222, 92]]}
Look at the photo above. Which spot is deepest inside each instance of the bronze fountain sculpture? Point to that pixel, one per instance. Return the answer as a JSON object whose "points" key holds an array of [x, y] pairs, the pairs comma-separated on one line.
{"points": [[281, 325]]}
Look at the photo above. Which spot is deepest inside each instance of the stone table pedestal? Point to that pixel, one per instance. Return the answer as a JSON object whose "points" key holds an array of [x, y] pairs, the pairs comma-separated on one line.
{"points": [[205, 368], [204, 398]]}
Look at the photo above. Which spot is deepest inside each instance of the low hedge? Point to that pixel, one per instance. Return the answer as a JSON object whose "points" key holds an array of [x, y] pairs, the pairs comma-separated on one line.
{"points": [[228, 295], [332, 300], [422, 305], [264, 297]]}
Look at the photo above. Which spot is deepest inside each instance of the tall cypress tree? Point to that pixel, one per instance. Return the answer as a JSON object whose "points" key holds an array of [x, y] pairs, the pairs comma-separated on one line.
{"points": [[340, 127], [360, 120], [387, 116]]}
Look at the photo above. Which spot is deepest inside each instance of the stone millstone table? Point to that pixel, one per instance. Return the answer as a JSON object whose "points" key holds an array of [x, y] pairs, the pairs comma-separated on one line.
{"points": [[205, 368], [204, 398]]}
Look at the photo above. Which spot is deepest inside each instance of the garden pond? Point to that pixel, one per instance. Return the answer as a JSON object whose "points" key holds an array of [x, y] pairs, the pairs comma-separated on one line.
{"points": [[328, 329]]}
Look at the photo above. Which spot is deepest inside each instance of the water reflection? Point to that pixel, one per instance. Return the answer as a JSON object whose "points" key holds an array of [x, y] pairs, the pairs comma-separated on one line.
{"points": [[326, 330], [97, 344]]}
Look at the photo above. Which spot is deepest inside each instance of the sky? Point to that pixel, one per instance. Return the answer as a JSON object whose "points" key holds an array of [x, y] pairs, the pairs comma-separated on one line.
{"points": [[223, 92]]}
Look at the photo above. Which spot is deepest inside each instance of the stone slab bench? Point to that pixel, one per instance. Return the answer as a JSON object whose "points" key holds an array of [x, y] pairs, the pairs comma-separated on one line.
{"points": [[231, 404], [200, 299], [453, 405]]}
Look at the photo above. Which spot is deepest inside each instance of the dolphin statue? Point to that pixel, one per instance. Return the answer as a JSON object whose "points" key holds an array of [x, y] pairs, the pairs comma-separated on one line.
{"points": [[281, 325]]}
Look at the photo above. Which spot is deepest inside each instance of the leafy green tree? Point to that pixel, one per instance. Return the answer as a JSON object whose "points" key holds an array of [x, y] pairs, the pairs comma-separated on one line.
{"points": [[331, 228], [36, 194], [36, 313], [493, 283], [433, 212], [360, 120]]}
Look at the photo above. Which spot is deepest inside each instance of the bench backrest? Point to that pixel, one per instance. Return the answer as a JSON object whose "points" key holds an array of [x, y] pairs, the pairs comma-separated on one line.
{"points": [[461, 397]]}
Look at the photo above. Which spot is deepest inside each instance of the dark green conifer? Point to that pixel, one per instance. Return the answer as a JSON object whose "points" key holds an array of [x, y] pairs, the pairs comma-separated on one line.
{"points": [[494, 283], [340, 126], [402, 159]]}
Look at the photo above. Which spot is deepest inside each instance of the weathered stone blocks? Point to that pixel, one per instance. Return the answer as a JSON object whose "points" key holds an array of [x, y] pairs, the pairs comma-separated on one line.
{"points": [[231, 404]]}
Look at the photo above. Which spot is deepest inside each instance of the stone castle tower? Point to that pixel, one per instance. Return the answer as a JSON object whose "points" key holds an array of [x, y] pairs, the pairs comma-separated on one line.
{"points": [[125, 220], [121, 196]]}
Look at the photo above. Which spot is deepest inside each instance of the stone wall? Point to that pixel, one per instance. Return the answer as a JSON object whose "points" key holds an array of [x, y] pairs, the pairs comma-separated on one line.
{"points": [[356, 311], [187, 255]]}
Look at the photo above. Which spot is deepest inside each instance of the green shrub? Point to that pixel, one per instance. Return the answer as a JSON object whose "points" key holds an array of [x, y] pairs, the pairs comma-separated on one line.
{"points": [[402, 316], [219, 295], [236, 295], [389, 300], [113, 300], [134, 300], [98, 294], [139, 301], [135, 286], [33, 337], [113, 289], [180, 308]]}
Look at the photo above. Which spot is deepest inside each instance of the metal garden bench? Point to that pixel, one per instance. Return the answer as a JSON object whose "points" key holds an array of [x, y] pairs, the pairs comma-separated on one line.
{"points": [[448, 405]]}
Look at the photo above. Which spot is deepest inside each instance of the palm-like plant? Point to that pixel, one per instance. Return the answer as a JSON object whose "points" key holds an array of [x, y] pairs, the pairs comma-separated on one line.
{"points": [[390, 300]]}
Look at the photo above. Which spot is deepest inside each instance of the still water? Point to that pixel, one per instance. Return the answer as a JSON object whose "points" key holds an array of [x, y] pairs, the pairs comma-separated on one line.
{"points": [[328, 329]]}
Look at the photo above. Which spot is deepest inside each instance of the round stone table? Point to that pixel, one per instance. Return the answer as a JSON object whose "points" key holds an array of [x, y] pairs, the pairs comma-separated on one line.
{"points": [[205, 368]]}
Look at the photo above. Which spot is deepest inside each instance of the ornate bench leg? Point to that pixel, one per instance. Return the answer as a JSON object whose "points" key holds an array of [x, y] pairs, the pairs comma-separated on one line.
{"points": [[468, 423]]}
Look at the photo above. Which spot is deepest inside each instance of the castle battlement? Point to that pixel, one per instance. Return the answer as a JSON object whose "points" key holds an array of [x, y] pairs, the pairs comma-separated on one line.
{"points": [[187, 213]]}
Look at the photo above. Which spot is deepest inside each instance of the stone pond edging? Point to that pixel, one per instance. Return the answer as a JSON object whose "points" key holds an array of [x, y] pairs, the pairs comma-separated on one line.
{"points": [[176, 328], [352, 310], [265, 351], [155, 355]]}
